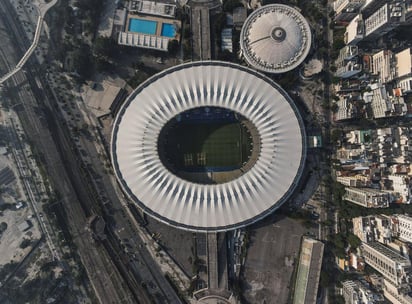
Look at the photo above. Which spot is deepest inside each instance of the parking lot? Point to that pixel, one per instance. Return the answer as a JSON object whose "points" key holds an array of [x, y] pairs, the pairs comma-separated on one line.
{"points": [[272, 254]]}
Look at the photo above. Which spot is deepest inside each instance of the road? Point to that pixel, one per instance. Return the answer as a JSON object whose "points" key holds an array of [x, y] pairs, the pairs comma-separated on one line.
{"points": [[84, 193], [107, 284]]}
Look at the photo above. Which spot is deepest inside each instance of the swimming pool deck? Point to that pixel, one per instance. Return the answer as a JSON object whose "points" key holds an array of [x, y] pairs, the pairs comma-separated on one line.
{"points": [[159, 21]]}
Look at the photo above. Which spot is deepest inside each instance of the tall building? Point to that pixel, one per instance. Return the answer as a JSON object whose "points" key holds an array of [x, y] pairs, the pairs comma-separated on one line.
{"points": [[346, 10], [355, 31], [367, 197], [383, 64], [386, 18], [392, 265], [403, 70]]}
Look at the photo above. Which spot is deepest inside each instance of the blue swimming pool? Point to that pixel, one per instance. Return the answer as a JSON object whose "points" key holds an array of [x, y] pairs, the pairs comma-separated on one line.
{"points": [[168, 30], [142, 26]]}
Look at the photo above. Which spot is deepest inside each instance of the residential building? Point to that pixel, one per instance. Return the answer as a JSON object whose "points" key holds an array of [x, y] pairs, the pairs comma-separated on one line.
{"points": [[382, 104], [367, 197], [346, 10], [356, 292], [383, 64], [403, 70], [404, 227], [395, 294], [392, 265], [348, 63], [355, 31], [373, 228], [386, 18], [352, 181], [348, 107], [400, 186]]}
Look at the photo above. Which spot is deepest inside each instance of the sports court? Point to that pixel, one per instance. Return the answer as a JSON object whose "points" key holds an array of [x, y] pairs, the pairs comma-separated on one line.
{"points": [[214, 141]]}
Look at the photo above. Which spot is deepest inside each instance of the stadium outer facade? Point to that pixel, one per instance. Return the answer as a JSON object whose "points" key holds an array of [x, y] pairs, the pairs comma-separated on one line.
{"points": [[208, 207]]}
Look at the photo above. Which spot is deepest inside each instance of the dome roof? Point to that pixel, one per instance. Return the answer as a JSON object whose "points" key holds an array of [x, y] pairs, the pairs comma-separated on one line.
{"points": [[275, 38], [208, 207]]}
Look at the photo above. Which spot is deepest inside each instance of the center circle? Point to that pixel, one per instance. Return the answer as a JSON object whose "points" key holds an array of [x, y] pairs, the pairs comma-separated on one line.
{"points": [[278, 34], [208, 145]]}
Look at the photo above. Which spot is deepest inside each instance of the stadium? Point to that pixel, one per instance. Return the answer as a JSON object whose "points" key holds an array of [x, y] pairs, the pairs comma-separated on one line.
{"points": [[208, 146], [275, 38]]}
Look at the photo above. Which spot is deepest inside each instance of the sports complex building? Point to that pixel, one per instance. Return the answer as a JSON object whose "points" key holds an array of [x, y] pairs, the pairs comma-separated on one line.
{"points": [[275, 38], [208, 146]]}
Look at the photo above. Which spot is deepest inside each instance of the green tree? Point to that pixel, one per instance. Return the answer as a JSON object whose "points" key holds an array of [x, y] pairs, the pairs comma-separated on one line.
{"points": [[173, 47], [104, 47], [353, 240]]}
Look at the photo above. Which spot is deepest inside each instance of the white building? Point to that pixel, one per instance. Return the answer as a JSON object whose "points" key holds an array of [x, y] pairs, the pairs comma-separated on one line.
{"points": [[355, 31], [382, 104], [346, 10], [367, 197], [346, 107], [383, 63], [385, 19], [404, 227], [396, 295], [401, 187], [347, 64], [392, 265], [373, 228], [403, 70], [355, 292]]}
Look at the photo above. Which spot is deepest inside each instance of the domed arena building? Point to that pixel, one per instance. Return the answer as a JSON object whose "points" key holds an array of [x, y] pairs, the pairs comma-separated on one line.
{"points": [[208, 146], [275, 38]]}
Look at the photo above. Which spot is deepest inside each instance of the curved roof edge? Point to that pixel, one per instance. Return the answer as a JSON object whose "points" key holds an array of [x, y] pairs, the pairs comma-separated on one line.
{"points": [[178, 225]]}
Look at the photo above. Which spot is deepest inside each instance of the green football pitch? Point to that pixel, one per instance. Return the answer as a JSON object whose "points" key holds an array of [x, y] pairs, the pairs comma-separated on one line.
{"points": [[210, 145]]}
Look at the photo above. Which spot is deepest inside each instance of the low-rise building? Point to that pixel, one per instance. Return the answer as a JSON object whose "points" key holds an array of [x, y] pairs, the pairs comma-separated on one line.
{"points": [[348, 107], [400, 187], [373, 228], [348, 63], [395, 294], [367, 197], [356, 181], [392, 265], [356, 292], [382, 104]]}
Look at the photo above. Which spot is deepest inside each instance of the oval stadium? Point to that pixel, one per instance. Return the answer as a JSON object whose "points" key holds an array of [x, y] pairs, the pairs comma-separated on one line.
{"points": [[208, 146], [275, 38]]}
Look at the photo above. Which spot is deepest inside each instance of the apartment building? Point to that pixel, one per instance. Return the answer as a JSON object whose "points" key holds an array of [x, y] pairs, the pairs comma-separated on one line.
{"points": [[383, 65], [346, 10], [356, 292], [392, 265], [367, 197]]}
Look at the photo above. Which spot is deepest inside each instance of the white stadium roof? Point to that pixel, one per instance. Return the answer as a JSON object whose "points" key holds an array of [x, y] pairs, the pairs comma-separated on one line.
{"points": [[208, 207], [275, 38]]}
